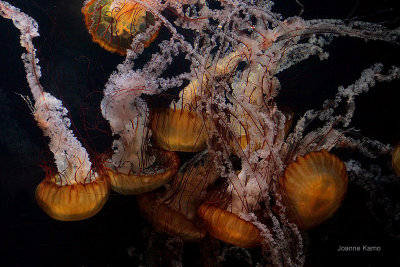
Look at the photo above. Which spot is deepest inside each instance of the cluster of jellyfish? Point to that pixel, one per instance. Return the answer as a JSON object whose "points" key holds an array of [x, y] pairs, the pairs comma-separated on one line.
{"points": [[257, 178]]}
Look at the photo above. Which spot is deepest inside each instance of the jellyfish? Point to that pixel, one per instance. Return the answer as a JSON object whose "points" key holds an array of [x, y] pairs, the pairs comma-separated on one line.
{"points": [[396, 160], [174, 211], [236, 50], [77, 191], [222, 219], [313, 187], [114, 24], [134, 167], [179, 127], [242, 102]]}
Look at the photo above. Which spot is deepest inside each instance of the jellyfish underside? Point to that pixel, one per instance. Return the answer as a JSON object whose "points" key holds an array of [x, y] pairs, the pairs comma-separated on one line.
{"points": [[114, 24], [72, 202], [152, 177], [313, 188]]}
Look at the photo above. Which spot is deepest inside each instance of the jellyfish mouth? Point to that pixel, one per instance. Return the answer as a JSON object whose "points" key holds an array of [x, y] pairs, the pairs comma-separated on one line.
{"points": [[72, 202], [147, 179]]}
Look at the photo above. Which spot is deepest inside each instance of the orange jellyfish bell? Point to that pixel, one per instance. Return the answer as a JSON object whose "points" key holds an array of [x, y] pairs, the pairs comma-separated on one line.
{"points": [[72, 202], [114, 23], [313, 188], [228, 227], [396, 159], [168, 220], [178, 130], [157, 174]]}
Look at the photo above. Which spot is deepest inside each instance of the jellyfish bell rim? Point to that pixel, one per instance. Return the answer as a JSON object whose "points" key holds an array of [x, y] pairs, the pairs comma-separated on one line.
{"points": [[296, 193], [133, 184], [72, 202]]}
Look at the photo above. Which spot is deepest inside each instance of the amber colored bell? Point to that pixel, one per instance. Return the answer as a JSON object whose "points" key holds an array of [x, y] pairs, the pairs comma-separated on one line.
{"points": [[313, 188], [72, 202], [168, 220], [160, 173], [228, 227], [178, 130], [396, 160], [114, 24]]}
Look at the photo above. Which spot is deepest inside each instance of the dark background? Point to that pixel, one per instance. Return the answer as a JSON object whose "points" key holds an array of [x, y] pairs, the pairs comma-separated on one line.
{"points": [[75, 70]]}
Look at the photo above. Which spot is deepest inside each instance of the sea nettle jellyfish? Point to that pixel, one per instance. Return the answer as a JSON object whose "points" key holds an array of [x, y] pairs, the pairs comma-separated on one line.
{"points": [[179, 128], [114, 23], [76, 191], [174, 211], [136, 166], [249, 209], [264, 172]]}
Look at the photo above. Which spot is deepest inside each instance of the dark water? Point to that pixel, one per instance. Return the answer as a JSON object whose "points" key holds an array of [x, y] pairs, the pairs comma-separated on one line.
{"points": [[75, 70]]}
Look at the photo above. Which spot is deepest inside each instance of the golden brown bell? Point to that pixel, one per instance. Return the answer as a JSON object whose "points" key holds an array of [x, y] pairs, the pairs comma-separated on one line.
{"points": [[396, 159], [114, 23], [72, 202], [160, 173], [178, 130], [228, 227], [168, 220], [313, 188]]}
